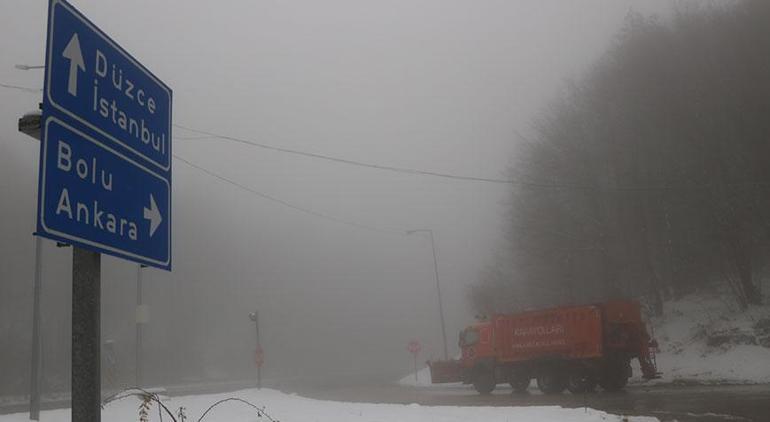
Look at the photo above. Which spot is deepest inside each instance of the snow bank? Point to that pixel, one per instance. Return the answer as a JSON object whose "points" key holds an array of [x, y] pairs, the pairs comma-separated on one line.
{"points": [[287, 407], [705, 339], [422, 380]]}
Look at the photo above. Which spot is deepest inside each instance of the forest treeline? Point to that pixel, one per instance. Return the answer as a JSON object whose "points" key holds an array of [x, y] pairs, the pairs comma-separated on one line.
{"points": [[650, 177]]}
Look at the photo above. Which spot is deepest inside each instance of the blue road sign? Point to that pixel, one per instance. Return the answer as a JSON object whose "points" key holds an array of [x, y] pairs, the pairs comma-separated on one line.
{"points": [[105, 162], [99, 198], [92, 80]]}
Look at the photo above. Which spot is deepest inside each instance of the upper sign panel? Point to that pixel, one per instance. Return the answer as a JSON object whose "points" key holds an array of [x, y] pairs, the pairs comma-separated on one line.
{"points": [[94, 81]]}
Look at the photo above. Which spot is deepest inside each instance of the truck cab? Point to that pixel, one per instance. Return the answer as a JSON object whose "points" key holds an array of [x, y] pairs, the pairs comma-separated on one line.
{"points": [[476, 342]]}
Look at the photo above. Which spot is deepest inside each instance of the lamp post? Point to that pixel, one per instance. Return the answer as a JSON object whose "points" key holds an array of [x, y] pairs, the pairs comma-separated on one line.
{"points": [[29, 124], [438, 286], [254, 316]]}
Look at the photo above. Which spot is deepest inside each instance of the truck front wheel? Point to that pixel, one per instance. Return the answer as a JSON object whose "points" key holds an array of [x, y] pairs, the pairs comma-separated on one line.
{"points": [[551, 381], [484, 379]]}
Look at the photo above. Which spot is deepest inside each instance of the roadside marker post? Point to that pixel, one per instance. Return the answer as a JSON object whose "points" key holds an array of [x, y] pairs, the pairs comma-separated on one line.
{"points": [[259, 354], [414, 347]]}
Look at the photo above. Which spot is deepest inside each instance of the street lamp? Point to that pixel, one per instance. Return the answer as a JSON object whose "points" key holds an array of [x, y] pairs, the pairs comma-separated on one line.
{"points": [[29, 124], [438, 286]]}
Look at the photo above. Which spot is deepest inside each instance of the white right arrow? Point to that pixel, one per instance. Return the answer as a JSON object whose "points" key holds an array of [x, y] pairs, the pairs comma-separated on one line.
{"points": [[153, 214], [75, 55]]}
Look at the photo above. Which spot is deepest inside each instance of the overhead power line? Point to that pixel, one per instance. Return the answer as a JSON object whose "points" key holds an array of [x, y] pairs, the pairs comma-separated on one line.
{"points": [[21, 88], [248, 189], [286, 203], [407, 170], [383, 167], [666, 186]]}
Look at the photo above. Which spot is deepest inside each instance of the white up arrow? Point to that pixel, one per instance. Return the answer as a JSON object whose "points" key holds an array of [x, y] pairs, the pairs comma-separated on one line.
{"points": [[75, 56], [153, 214]]}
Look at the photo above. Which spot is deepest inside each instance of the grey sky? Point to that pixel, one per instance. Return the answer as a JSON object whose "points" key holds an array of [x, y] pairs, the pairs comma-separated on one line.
{"points": [[438, 85]]}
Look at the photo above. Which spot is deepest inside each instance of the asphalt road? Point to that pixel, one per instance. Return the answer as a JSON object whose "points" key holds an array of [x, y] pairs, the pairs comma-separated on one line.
{"points": [[666, 402]]}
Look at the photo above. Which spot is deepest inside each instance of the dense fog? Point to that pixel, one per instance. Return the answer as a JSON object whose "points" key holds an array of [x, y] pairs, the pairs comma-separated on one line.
{"points": [[319, 247]]}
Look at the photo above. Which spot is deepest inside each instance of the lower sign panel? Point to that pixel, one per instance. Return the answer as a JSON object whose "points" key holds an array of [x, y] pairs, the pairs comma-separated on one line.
{"points": [[95, 197]]}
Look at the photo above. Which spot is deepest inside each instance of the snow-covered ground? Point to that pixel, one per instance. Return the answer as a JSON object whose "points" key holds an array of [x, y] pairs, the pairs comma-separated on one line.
{"points": [[288, 407], [706, 339]]}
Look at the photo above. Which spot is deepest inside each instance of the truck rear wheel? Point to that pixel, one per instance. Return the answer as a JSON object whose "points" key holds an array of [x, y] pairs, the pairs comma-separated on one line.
{"points": [[484, 380], [520, 381], [613, 382], [551, 381], [614, 377], [581, 381]]}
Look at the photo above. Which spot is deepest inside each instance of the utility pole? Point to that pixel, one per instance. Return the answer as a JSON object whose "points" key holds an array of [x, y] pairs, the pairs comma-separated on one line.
{"points": [[438, 287]]}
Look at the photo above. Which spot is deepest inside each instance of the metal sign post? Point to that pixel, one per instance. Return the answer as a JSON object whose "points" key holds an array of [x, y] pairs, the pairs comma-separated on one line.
{"points": [[86, 334]]}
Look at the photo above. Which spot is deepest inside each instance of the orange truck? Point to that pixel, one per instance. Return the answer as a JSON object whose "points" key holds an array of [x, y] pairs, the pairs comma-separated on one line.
{"points": [[574, 348]]}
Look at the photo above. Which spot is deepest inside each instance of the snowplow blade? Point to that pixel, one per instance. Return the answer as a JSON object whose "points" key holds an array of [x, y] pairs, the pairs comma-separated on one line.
{"points": [[445, 371]]}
